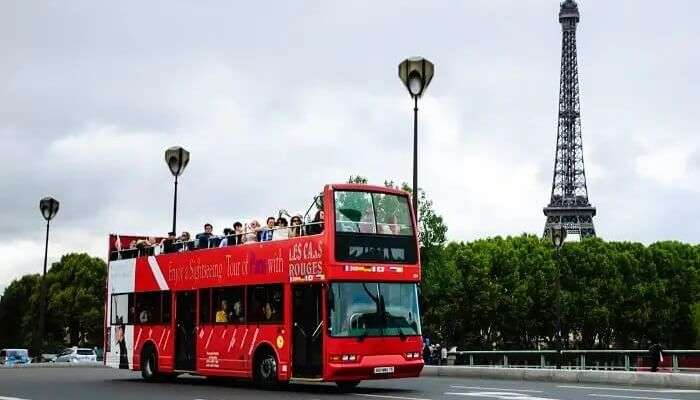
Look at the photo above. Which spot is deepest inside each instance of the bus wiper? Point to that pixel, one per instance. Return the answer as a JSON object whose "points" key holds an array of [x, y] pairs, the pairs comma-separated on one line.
{"points": [[402, 335], [362, 336]]}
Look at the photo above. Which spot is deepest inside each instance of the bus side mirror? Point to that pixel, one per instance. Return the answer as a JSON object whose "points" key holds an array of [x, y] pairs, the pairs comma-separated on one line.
{"points": [[318, 200]]}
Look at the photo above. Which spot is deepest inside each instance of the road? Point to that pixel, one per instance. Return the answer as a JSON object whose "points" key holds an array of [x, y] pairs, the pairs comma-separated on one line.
{"points": [[108, 384]]}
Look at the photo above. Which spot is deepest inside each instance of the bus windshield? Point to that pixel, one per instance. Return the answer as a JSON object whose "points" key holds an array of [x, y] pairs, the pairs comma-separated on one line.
{"points": [[373, 227], [373, 309], [372, 213]]}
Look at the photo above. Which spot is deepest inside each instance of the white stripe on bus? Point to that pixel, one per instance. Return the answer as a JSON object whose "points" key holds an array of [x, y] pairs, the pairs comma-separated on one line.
{"points": [[252, 342], [165, 343], [160, 341], [233, 339], [244, 336], [138, 337], [157, 273], [206, 346]]}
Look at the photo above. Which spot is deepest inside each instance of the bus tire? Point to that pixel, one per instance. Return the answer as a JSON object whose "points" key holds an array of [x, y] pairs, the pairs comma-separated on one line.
{"points": [[265, 372], [149, 364], [346, 386]]}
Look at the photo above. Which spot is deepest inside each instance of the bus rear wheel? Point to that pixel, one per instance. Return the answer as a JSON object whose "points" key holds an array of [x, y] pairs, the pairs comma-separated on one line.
{"points": [[149, 364], [346, 386], [265, 373]]}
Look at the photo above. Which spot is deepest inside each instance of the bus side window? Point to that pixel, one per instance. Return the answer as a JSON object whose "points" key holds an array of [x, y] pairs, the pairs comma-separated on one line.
{"points": [[265, 304], [122, 309], [204, 306], [148, 307], [228, 305]]}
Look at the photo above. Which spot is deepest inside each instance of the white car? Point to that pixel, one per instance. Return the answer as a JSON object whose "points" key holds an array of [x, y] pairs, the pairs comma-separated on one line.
{"points": [[76, 355]]}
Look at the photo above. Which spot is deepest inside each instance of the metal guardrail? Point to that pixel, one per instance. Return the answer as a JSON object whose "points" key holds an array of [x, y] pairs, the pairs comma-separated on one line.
{"points": [[623, 360]]}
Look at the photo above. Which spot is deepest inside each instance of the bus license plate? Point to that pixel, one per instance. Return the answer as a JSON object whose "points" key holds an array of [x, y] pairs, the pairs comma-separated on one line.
{"points": [[384, 370]]}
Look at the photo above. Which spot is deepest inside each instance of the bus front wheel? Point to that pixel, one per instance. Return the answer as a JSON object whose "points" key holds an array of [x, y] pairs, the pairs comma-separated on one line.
{"points": [[265, 373], [346, 386]]}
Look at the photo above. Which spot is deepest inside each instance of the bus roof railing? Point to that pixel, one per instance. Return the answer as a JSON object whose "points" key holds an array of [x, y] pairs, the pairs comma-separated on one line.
{"points": [[213, 241]]}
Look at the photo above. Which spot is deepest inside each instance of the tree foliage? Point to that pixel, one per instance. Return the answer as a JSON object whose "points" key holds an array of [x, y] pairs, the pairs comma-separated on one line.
{"points": [[504, 294], [14, 306], [75, 304]]}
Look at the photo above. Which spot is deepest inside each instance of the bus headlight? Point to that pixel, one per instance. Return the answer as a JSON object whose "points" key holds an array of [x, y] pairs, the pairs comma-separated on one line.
{"points": [[344, 358]]}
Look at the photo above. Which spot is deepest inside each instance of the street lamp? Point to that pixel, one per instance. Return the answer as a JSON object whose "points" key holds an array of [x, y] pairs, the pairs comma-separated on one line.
{"points": [[49, 208], [177, 159], [558, 235], [416, 74]]}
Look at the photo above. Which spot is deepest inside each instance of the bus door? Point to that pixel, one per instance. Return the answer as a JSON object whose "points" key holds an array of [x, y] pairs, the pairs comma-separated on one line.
{"points": [[185, 336], [307, 329]]}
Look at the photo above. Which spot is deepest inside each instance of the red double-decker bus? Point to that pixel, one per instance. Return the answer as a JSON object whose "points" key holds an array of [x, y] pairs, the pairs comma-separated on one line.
{"points": [[338, 304]]}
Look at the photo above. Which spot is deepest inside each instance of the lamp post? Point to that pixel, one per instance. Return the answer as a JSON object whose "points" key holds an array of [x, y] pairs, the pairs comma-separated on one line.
{"points": [[416, 74], [177, 159], [49, 208], [558, 235]]}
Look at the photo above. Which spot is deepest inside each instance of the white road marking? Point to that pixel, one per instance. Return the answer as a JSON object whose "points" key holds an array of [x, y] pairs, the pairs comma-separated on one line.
{"points": [[11, 398], [491, 388], [630, 389], [386, 396], [500, 395], [630, 397]]}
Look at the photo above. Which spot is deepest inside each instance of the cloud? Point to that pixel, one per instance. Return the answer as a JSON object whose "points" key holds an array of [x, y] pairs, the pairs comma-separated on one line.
{"points": [[276, 100]]}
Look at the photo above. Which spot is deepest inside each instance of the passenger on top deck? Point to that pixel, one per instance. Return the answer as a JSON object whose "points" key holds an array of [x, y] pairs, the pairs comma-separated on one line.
{"points": [[295, 229], [316, 225], [281, 232], [265, 233]]}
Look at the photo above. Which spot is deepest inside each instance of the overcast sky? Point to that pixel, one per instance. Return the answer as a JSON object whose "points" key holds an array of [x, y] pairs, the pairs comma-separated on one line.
{"points": [[276, 99]]}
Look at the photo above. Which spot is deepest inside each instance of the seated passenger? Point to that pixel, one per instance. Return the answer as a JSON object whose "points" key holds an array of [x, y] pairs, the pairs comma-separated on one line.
{"points": [[367, 223], [265, 233], [223, 313], [394, 226], [295, 229], [208, 231], [168, 244], [144, 316], [237, 312], [251, 232], [238, 232], [316, 225], [268, 312], [281, 232], [203, 238]]}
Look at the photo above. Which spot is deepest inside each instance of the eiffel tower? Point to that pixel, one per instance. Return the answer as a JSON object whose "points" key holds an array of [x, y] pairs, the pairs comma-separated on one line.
{"points": [[569, 206]]}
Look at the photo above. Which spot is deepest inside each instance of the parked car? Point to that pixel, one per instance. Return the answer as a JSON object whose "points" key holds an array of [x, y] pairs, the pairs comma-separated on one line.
{"points": [[76, 354], [9, 357]]}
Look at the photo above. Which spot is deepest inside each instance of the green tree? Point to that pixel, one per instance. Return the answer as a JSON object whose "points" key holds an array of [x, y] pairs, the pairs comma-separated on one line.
{"points": [[14, 306], [76, 287]]}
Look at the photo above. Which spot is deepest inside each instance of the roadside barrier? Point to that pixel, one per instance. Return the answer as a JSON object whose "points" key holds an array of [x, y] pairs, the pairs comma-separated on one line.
{"points": [[654, 379], [606, 360]]}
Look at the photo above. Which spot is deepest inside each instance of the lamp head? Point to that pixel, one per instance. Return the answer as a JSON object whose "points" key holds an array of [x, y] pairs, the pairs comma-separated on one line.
{"points": [[558, 236], [48, 207], [177, 159], [416, 74]]}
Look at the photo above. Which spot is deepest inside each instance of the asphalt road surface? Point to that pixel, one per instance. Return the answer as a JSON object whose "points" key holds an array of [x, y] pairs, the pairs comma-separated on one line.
{"points": [[107, 384]]}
